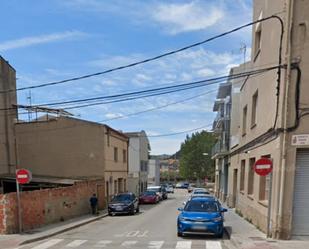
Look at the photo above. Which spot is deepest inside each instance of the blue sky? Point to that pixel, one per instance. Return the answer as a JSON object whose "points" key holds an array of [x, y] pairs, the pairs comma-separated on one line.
{"points": [[54, 40]]}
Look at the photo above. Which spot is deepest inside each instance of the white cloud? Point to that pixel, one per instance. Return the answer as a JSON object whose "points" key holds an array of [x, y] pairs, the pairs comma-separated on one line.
{"points": [[113, 115], [186, 17], [41, 39], [205, 72]]}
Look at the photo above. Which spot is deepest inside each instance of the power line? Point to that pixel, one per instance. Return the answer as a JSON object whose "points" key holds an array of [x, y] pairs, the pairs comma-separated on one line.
{"points": [[146, 60], [157, 91]]}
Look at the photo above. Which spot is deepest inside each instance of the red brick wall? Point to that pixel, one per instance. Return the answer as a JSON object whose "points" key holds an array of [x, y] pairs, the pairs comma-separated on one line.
{"points": [[47, 206]]}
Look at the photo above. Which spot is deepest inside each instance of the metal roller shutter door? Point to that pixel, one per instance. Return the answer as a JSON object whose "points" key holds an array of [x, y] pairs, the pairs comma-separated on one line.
{"points": [[301, 194]]}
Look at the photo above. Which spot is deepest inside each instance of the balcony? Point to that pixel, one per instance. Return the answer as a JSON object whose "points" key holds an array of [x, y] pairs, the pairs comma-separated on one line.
{"points": [[219, 150]]}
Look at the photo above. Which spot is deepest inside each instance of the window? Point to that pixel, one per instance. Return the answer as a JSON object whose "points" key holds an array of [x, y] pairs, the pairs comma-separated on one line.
{"points": [[264, 185], [254, 109], [251, 176], [257, 39], [124, 156], [244, 121], [242, 175], [115, 154]]}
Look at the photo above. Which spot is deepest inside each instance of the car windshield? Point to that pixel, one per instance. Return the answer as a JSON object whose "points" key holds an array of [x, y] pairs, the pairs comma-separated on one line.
{"points": [[122, 198], [157, 189], [201, 206], [149, 193]]}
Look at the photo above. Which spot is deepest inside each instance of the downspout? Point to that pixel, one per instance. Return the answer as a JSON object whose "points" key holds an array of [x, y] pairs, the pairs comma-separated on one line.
{"points": [[283, 152]]}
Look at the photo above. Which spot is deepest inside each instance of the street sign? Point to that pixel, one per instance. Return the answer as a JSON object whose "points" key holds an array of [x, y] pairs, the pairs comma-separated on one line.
{"points": [[23, 176], [263, 166]]}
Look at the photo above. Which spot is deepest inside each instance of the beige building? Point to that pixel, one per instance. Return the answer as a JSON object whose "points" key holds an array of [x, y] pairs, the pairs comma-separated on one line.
{"points": [[263, 125], [7, 118], [72, 148]]}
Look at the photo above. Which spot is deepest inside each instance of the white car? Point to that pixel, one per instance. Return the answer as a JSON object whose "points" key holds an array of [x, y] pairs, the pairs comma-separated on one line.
{"points": [[157, 189], [169, 189], [200, 191]]}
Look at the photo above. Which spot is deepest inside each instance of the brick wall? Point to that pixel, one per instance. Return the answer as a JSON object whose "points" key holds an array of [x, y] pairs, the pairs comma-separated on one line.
{"points": [[42, 207]]}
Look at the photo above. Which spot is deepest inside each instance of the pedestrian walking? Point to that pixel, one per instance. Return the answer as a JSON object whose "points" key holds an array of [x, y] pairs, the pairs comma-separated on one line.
{"points": [[94, 204]]}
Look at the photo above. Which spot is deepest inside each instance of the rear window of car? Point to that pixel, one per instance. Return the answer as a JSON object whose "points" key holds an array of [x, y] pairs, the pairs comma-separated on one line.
{"points": [[201, 192], [202, 206], [150, 193], [157, 189]]}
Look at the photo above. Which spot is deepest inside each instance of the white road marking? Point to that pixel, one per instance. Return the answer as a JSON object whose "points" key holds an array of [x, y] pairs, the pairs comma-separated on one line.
{"points": [[76, 243], [213, 245], [155, 244], [103, 243], [183, 245], [129, 243], [48, 244]]}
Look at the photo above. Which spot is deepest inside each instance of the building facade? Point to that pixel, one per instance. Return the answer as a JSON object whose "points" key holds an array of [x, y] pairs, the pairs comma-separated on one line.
{"points": [[220, 151], [8, 115], [154, 172], [138, 161], [66, 147], [270, 119]]}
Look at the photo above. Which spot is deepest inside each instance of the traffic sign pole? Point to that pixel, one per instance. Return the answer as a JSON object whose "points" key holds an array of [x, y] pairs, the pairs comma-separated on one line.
{"points": [[269, 223], [20, 225]]}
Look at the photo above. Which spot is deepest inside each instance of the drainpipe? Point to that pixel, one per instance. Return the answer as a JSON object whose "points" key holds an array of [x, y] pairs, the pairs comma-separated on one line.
{"points": [[282, 181]]}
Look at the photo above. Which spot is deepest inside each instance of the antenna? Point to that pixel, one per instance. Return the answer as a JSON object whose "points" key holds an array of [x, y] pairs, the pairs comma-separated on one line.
{"points": [[243, 49]]}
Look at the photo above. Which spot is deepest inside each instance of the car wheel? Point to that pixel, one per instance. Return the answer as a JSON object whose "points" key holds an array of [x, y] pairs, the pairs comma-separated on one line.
{"points": [[110, 214], [219, 235], [132, 212], [179, 234], [137, 209]]}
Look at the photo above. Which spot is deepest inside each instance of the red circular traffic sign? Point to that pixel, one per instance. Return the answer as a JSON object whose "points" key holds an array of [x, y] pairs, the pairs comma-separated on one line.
{"points": [[263, 166], [23, 176]]}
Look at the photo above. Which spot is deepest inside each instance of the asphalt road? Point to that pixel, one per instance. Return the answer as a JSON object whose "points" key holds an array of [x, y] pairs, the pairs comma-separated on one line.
{"points": [[154, 227]]}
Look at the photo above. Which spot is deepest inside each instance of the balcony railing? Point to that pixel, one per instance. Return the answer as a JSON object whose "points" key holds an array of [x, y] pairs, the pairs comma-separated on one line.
{"points": [[219, 149]]}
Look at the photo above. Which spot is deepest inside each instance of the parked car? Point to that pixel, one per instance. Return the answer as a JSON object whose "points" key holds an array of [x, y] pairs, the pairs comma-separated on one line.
{"points": [[170, 189], [124, 203], [200, 191], [161, 191], [191, 187], [178, 185], [201, 215], [149, 197]]}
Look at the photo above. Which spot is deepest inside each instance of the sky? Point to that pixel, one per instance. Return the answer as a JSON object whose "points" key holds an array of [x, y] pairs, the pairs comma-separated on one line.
{"points": [[53, 40]]}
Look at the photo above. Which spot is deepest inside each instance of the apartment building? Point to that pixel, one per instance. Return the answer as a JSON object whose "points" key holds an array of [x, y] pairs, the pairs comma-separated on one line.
{"points": [[270, 119], [67, 147], [7, 118], [220, 151], [154, 172], [138, 161]]}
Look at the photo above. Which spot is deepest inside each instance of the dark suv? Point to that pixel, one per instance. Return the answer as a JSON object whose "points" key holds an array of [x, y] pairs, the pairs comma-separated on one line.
{"points": [[124, 203]]}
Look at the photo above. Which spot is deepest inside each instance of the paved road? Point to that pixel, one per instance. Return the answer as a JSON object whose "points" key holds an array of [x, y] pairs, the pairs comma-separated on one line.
{"points": [[154, 227]]}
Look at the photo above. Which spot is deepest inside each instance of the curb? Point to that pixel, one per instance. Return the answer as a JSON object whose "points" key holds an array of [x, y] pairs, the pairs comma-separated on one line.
{"points": [[62, 230]]}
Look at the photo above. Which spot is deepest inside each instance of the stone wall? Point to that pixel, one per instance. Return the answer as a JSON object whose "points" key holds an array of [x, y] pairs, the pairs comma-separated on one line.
{"points": [[42, 207]]}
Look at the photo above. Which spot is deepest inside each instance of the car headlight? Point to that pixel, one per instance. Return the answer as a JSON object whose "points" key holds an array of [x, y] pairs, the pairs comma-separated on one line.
{"points": [[217, 219]]}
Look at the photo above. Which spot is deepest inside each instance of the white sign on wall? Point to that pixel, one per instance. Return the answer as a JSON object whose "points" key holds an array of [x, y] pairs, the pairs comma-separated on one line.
{"points": [[302, 139]]}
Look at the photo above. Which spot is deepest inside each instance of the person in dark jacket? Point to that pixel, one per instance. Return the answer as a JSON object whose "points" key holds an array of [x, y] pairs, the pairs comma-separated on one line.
{"points": [[94, 204]]}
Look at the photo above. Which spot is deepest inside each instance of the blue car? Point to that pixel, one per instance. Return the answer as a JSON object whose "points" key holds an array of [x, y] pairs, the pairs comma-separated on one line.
{"points": [[201, 215]]}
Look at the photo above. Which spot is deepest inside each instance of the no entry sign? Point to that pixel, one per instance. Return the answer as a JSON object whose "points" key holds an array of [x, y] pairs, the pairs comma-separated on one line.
{"points": [[23, 176], [263, 166]]}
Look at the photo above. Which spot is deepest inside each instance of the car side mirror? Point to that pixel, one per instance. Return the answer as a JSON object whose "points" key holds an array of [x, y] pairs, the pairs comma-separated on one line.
{"points": [[223, 210], [184, 203], [180, 209]]}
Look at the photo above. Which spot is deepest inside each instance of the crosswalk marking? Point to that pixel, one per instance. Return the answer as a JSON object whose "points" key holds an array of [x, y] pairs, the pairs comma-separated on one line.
{"points": [[183, 244], [103, 243], [155, 244], [213, 245], [129, 243], [48, 244], [76, 243]]}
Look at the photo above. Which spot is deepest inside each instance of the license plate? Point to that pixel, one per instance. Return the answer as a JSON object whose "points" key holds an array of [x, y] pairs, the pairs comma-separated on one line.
{"points": [[199, 227], [118, 208]]}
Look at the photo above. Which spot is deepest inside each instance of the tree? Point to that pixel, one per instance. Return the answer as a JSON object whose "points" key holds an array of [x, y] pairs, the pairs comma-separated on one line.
{"points": [[193, 161]]}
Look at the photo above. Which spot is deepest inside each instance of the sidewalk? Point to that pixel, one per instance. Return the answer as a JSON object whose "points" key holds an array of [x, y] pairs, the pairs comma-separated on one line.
{"points": [[15, 240], [244, 235]]}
